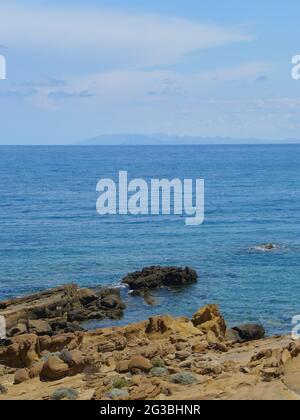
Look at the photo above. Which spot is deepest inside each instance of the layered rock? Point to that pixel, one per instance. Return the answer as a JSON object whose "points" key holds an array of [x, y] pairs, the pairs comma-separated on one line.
{"points": [[59, 310], [209, 319], [161, 358]]}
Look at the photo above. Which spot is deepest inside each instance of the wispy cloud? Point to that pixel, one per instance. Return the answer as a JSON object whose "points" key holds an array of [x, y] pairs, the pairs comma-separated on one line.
{"points": [[127, 86], [17, 93], [61, 95], [50, 82], [120, 38]]}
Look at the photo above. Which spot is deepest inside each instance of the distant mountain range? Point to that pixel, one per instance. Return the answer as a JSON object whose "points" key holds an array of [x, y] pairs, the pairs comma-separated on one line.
{"points": [[164, 139]]}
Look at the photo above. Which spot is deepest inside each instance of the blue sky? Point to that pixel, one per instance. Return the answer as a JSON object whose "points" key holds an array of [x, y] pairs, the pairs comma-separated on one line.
{"points": [[185, 67]]}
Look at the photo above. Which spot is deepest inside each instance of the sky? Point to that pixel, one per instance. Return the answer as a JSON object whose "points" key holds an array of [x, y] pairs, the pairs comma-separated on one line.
{"points": [[79, 69]]}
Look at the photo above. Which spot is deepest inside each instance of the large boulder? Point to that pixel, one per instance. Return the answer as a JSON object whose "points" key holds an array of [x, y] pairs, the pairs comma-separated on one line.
{"points": [[22, 375], [156, 276], [20, 351], [249, 332], [54, 369], [209, 319]]}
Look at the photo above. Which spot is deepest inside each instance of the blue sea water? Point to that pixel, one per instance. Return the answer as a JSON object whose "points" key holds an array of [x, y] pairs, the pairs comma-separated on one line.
{"points": [[50, 232]]}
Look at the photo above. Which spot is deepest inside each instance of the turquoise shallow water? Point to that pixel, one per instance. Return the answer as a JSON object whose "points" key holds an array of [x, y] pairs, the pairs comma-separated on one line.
{"points": [[51, 234]]}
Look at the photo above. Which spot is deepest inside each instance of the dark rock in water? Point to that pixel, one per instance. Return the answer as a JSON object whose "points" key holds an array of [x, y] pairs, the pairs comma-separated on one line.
{"points": [[155, 276], [249, 332], [110, 298], [266, 247], [110, 302]]}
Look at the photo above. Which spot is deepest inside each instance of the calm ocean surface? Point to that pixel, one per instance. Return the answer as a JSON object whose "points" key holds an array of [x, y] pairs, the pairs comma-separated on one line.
{"points": [[51, 234]]}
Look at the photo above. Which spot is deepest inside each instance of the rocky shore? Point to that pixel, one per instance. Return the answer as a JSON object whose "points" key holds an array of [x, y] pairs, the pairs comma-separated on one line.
{"points": [[47, 354]]}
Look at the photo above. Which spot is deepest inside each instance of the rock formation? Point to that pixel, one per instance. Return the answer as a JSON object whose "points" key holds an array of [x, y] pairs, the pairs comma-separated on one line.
{"points": [[161, 358], [60, 310], [156, 276]]}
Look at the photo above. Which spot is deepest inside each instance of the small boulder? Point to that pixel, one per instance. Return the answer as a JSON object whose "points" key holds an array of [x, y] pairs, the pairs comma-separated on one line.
{"points": [[39, 327], [249, 332], [139, 363], [22, 375], [182, 355]]}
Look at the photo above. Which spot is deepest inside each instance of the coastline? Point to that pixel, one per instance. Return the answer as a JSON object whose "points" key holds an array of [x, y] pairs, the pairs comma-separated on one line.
{"points": [[48, 355]]}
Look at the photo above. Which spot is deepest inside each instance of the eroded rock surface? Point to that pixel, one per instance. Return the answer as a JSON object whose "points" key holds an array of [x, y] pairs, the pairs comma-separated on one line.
{"points": [[59, 310], [162, 358]]}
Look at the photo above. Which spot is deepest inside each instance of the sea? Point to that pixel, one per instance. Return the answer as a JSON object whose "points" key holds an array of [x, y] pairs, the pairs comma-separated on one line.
{"points": [[51, 233]]}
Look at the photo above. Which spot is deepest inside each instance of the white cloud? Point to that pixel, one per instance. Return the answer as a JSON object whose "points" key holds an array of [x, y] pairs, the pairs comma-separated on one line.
{"points": [[126, 86], [245, 71], [122, 39]]}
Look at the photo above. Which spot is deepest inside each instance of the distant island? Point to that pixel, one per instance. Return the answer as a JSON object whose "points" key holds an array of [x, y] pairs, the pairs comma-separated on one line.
{"points": [[165, 139]]}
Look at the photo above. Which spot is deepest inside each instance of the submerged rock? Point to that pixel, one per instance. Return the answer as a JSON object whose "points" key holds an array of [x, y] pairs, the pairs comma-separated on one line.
{"points": [[145, 294], [156, 276], [266, 247]]}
